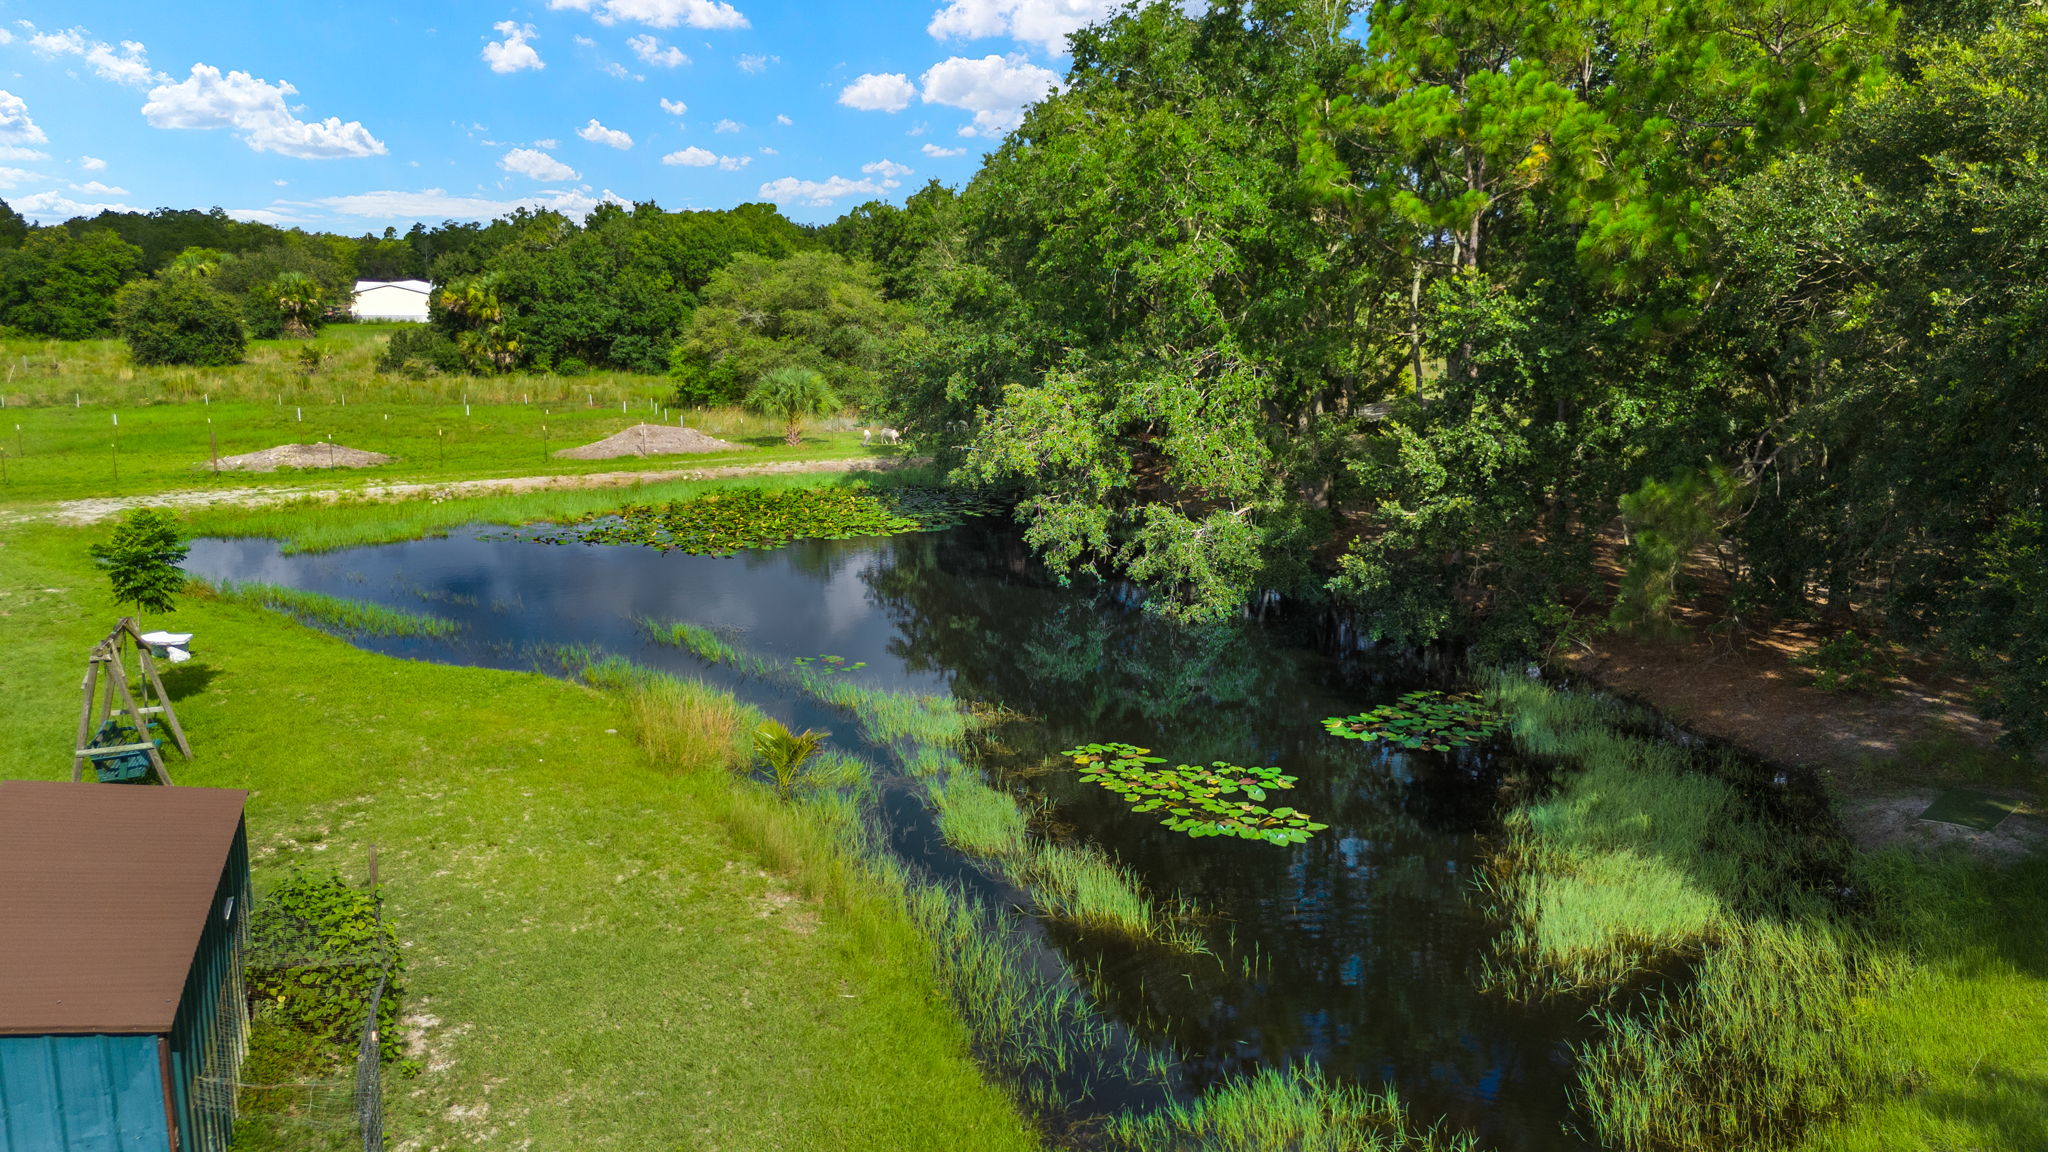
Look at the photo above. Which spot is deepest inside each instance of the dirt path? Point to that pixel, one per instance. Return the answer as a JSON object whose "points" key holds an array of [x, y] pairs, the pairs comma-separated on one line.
{"points": [[1885, 756], [90, 511]]}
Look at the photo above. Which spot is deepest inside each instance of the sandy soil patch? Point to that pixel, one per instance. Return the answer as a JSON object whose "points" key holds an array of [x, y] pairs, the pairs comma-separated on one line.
{"points": [[102, 508], [302, 456], [649, 440]]}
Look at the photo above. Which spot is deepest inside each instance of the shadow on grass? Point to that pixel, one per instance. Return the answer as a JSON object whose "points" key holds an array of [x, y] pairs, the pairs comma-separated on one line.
{"points": [[186, 680], [2007, 1110]]}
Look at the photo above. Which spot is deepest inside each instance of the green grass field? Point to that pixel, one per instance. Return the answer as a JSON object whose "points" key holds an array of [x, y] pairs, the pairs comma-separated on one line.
{"points": [[61, 439], [603, 953]]}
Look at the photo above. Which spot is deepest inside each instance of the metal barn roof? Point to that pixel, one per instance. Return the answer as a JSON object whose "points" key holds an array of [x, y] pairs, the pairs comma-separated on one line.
{"points": [[103, 891]]}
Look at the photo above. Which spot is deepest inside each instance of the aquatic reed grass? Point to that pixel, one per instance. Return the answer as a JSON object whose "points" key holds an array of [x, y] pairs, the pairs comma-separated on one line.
{"points": [[356, 617], [1299, 1110], [683, 724], [695, 639], [978, 819], [1763, 1043], [1046, 1039]]}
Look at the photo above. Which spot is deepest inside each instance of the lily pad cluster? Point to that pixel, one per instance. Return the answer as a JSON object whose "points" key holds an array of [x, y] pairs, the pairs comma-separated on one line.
{"points": [[1220, 799], [1435, 721], [829, 665], [740, 519]]}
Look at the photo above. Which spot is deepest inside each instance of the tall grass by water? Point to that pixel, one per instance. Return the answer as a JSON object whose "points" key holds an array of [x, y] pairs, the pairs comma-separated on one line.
{"points": [[1045, 1038], [978, 819], [1640, 862], [1298, 1110], [683, 724], [355, 617]]}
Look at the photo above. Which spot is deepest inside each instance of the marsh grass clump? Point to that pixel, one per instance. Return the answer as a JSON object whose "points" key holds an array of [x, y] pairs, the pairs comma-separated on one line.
{"points": [[683, 724], [934, 721], [1763, 1043], [1299, 1110], [1082, 885], [355, 617], [978, 819], [1640, 861], [695, 639]]}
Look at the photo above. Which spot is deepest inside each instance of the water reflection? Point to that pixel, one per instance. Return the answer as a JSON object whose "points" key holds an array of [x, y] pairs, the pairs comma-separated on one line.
{"points": [[1359, 949]]}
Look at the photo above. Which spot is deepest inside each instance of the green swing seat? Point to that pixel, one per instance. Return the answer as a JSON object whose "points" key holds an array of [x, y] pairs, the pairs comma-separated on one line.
{"points": [[117, 767]]}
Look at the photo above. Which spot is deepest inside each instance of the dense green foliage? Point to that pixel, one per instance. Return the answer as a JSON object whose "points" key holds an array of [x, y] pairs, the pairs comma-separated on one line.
{"points": [[813, 311], [1410, 326], [179, 320], [319, 951], [61, 285], [792, 395], [141, 560]]}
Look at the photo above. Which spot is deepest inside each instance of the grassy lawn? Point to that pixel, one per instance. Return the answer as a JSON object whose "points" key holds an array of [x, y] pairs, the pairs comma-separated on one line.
{"points": [[603, 953], [61, 441]]}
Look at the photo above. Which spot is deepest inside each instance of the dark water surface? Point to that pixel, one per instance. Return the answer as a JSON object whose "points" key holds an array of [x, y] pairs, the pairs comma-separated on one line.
{"points": [[1359, 950]]}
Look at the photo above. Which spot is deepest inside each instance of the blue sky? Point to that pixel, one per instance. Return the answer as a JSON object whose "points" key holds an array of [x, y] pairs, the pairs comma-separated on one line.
{"points": [[352, 119]]}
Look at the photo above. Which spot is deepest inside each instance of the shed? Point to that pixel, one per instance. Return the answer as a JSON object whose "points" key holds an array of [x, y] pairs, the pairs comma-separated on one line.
{"points": [[124, 911], [391, 300]]}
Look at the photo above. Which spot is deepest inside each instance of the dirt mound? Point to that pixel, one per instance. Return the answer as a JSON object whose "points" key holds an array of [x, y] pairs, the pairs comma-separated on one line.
{"points": [[648, 440], [302, 456]]}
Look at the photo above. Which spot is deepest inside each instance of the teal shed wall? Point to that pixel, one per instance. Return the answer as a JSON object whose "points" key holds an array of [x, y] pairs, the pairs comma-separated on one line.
{"points": [[82, 1094], [212, 1024]]}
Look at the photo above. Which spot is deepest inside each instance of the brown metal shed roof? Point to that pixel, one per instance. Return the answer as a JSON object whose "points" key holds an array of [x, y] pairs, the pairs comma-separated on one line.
{"points": [[103, 891]]}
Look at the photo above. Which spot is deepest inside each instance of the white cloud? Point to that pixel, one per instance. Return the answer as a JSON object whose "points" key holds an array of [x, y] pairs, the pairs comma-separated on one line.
{"points": [[705, 158], [537, 165], [783, 120], [750, 63], [94, 188], [51, 207], [436, 204], [620, 71], [727, 126], [935, 151], [585, 42], [817, 193], [16, 127], [767, 151], [6, 37], [92, 163], [659, 13], [258, 110], [890, 171], [650, 51], [15, 177], [549, 143], [1044, 23], [127, 65], [878, 92], [262, 216], [513, 53], [12, 152], [609, 137], [994, 88], [673, 107], [281, 183]]}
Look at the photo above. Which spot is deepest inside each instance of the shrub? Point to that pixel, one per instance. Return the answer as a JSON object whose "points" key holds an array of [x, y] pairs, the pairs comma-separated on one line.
{"points": [[416, 351], [318, 948], [1849, 663], [179, 320], [571, 366]]}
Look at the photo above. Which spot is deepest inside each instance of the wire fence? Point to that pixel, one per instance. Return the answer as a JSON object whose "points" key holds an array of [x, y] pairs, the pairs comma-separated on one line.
{"points": [[314, 1031]]}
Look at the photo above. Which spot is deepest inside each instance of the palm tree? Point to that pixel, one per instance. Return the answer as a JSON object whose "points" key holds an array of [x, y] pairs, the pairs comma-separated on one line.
{"points": [[197, 263], [792, 394], [298, 297]]}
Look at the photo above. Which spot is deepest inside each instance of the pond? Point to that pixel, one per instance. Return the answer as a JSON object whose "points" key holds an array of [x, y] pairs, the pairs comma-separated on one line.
{"points": [[1359, 950]]}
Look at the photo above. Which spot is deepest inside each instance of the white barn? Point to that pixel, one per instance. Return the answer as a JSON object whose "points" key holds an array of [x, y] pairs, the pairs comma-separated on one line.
{"points": [[391, 300]]}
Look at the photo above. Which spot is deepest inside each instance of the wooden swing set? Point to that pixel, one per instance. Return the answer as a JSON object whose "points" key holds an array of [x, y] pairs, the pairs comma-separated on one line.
{"points": [[113, 729]]}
